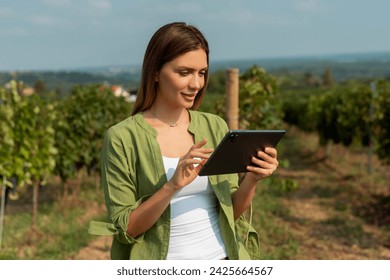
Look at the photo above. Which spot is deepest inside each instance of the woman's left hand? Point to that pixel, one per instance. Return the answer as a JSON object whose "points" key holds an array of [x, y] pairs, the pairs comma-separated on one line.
{"points": [[263, 166]]}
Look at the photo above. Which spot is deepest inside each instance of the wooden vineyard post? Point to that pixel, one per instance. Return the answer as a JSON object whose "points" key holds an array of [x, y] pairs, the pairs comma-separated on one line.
{"points": [[232, 89], [232, 112]]}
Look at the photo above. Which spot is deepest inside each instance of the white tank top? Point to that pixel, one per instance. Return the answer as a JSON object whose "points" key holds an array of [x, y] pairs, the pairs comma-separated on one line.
{"points": [[195, 232]]}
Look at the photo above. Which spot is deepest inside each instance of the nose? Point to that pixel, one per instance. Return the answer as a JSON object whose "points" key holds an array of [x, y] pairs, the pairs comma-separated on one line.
{"points": [[195, 83]]}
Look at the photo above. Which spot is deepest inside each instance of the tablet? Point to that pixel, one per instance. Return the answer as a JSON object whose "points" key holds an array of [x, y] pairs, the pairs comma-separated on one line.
{"points": [[233, 154]]}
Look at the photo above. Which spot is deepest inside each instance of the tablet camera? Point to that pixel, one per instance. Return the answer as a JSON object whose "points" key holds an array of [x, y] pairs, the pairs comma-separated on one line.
{"points": [[232, 137]]}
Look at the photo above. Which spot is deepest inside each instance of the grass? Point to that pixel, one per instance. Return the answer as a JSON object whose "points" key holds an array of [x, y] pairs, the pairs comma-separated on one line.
{"points": [[347, 231], [61, 228], [276, 240]]}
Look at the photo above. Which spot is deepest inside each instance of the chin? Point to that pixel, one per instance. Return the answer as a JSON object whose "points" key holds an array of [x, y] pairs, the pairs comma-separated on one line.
{"points": [[189, 105]]}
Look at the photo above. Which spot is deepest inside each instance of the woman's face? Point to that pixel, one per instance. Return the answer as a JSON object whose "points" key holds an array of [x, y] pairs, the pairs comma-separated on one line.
{"points": [[180, 79]]}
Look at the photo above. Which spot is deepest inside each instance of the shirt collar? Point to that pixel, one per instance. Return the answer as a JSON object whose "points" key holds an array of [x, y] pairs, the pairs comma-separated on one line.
{"points": [[139, 118]]}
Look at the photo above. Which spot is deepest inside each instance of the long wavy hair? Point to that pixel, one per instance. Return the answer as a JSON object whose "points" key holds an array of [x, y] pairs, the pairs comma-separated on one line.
{"points": [[167, 43]]}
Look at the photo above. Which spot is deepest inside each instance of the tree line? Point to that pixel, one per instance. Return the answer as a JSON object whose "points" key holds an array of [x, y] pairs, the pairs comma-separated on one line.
{"points": [[348, 113]]}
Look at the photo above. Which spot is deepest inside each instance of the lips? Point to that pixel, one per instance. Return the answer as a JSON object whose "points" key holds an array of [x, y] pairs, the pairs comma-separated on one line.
{"points": [[189, 94]]}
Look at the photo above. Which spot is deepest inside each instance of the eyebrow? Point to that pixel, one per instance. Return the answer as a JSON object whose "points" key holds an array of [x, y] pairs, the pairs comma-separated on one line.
{"points": [[190, 68]]}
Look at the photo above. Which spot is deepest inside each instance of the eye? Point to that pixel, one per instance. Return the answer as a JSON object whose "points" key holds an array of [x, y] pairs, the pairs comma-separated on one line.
{"points": [[184, 73], [202, 73]]}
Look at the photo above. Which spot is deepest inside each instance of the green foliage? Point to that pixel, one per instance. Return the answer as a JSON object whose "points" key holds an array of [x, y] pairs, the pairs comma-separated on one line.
{"points": [[83, 118], [259, 106], [382, 122], [66, 142], [216, 83], [27, 126], [30, 159], [258, 102], [7, 100], [345, 114], [341, 114], [212, 103], [323, 113], [38, 135], [279, 187], [295, 106], [34, 140]]}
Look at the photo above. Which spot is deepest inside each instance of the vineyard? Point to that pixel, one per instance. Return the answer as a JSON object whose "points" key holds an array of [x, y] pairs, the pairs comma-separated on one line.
{"points": [[49, 141]]}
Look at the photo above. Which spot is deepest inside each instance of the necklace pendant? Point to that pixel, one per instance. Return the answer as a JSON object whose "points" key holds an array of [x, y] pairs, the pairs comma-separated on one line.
{"points": [[173, 124]]}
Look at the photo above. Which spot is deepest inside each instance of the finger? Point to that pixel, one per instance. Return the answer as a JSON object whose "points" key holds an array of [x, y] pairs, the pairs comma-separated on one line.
{"points": [[192, 161], [259, 170], [266, 157], [263, 164], [200, 165], [200, 144], [201, 153], [271, 151]]}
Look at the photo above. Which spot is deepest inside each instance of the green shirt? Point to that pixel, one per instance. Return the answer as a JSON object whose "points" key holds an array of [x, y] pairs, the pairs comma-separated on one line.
{"points": [[133, 170]]}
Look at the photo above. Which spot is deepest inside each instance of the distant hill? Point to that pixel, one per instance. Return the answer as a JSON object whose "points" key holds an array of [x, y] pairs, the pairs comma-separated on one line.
{"points": [[63, 81], [344, 66]]}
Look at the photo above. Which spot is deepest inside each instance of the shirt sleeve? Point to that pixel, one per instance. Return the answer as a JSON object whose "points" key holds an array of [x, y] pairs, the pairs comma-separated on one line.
{"points": [[119, 187]]}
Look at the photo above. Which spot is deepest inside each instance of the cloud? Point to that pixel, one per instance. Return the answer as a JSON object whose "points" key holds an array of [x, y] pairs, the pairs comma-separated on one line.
{"points": [[13, 31], [6, 12], [56, 2], [180, 8], [42, 20], [245, 17], [279, 21], [100, 5], [50, 22], [309, 6]]}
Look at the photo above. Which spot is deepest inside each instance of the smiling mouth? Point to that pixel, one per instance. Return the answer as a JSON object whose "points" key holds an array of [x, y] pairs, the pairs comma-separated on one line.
{"points": [[189, 94]]}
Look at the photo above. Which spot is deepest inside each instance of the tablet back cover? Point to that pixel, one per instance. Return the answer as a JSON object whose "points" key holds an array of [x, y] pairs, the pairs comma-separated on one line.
{"points": [[236, 149]]}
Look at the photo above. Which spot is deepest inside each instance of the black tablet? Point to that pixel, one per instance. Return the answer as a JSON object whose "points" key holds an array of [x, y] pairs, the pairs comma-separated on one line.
{"points": [[233, 154]]}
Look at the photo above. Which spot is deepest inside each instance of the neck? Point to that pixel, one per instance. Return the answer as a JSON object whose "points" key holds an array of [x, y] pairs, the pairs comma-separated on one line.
{"points": [[170, 117]]}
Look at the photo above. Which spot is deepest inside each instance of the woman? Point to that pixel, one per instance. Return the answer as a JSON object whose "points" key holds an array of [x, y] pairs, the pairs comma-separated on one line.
{"points": [[159, 208]]}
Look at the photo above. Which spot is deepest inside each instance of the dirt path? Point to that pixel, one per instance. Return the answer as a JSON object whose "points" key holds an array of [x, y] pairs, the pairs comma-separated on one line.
{"points": [[323, 236], [98, 249], [331, 213]]}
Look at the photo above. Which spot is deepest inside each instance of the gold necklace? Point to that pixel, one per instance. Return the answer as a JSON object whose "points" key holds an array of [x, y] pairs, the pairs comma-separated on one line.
{"points": [[174, 124]]}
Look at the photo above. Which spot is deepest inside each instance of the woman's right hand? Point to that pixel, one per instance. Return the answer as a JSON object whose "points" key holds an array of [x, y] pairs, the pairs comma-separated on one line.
{"points": [[189, 165]]}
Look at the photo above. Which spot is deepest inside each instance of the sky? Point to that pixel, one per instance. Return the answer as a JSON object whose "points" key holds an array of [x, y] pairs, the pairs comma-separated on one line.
{"points": [[69, 34]]}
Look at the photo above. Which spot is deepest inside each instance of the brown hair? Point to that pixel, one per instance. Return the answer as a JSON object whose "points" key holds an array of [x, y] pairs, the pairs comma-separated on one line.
{"points": [[167, 43]]}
